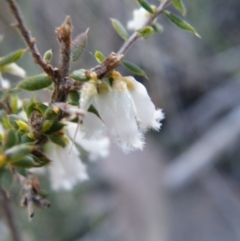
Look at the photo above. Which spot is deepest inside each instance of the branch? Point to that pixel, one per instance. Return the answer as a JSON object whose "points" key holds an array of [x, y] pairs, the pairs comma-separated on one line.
{"points": [[8, 213], [64, 39], [106, 67], [30, 41]]}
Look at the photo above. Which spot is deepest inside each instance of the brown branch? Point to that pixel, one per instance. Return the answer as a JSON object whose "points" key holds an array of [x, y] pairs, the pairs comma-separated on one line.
{"points": [[30, 41], [64, 39], [62, 81], [8, 213]]}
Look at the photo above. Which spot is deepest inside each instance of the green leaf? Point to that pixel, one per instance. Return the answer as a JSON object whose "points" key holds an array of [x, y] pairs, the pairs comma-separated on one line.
{"points": [[55, 127], [12, 57], [3, 94], [118, 27], [51, 113], [99, 56], [79, 75], [58, 140], [74, 98], [48, 56], [179, 5], [29, 161], [146, 6], [134, 68], [79, 44], [22, 171], [12, 120], [146, 32], [18, 152], [181, 23], [158, 28], [6, 178], [36, 82], [10, 139]]}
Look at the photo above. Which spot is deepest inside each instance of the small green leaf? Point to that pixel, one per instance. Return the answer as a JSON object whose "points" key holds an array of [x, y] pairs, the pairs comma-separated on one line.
{"points": [[134, 68], [10, 139], [58, 140], [146, 6], [51, 113], [6, 178], [40, 107], [48, 56], [22, 125], [16, 153], [14, 103], [146, 32], [181, 23], [55, 127], [22, 171], [99, 56], [79, 75], [79, 44], [12, 57], [29, 161], [118, 27], [158, 28], [74, 98], [3, 94], [12, 121], [36, 82], [179, 5]]}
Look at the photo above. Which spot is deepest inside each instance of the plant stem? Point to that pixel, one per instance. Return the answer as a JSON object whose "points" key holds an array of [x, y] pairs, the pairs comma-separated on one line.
{"points": [[30, 41], [8, 213]]}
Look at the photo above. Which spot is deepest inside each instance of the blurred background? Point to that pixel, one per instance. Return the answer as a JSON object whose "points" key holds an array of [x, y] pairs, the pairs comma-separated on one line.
{"points": [[185, 184]]}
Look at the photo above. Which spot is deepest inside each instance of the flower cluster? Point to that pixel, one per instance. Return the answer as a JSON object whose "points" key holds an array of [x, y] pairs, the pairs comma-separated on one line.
{"points": [[140, 18], [124, 108]]}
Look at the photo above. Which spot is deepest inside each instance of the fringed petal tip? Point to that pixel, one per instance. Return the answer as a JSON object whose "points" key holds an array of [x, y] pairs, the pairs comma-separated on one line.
{"points": [[158, 116]]}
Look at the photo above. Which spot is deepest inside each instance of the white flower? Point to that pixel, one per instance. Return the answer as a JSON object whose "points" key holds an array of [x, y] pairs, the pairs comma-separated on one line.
{"points": [[146, 113], [66, 168], [115, 108], [125, 112], [140, 18], [96, 148]]}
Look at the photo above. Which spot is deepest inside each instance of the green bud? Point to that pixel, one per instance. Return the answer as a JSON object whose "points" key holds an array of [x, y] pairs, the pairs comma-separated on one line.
{"points": [[79, 75], [48, 56], [146, 32], [99, 56]]}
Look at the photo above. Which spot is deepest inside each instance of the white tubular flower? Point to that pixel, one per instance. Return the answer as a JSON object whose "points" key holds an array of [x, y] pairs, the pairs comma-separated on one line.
{"points": [[14, 69], [148, 116], [4, 83], [140, 18], [96, 148], [92, 127], [116, 110], [88, 91], [66, 168]]}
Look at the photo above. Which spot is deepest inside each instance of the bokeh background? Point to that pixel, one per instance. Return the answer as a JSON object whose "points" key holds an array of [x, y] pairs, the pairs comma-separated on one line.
{"points": [[185, 184]]}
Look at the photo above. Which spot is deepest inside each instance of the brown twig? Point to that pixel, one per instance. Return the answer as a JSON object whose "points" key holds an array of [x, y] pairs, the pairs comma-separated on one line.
{"points": [[8, 213], [30, 41]]}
